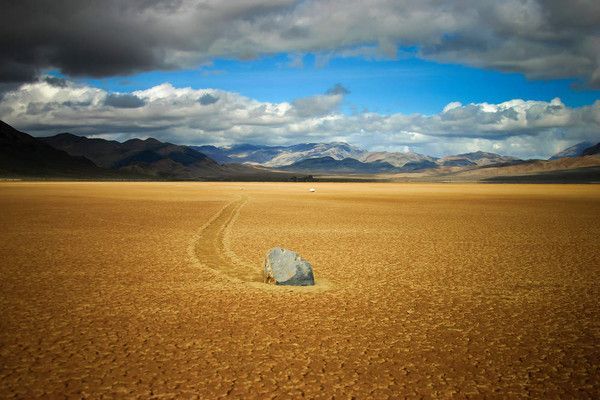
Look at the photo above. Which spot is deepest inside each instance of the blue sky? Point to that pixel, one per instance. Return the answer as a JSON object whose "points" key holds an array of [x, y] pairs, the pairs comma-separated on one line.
{"points": [[407, 85]]}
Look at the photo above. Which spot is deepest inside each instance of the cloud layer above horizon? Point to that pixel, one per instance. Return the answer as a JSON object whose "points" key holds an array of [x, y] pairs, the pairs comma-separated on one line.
{"points": [[541, 39], [209, 116]]}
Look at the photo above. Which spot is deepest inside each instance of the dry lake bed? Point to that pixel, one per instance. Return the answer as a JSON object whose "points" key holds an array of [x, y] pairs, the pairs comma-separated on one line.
{"points": [[138, 290]]}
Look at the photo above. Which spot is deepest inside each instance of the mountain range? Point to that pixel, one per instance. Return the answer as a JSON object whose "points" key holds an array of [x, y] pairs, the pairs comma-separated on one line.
{"points": [[292, 157], [69, 156], [148, 157], [279, 156]]}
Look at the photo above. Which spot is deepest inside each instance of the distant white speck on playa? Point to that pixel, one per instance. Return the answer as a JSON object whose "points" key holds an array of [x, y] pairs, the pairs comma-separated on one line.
{"points": [[312, 190]]}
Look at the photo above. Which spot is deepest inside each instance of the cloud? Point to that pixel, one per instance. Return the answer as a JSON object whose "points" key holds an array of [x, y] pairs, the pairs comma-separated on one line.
{"points": [[542, 39], [208, 99], [319, 105], [54, 81], [315, 106], [118, 100], [452, 105], [337, 89], [523, 128]]}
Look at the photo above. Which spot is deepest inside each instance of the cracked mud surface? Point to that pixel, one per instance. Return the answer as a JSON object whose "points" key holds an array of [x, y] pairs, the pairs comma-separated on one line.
{"points": [[141, 290]]}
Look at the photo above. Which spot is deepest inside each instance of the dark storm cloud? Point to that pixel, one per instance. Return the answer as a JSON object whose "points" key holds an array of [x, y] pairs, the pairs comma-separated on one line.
{"points": [[540, 38], [123, 101], [6, 88], [13, 72], [88, 38]]}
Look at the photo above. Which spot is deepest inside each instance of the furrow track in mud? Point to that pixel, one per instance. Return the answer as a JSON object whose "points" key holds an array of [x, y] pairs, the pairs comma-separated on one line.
{"points": [[211, 248]]}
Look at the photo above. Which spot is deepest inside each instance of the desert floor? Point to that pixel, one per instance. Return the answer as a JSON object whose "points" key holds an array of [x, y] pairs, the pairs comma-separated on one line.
{"points": [[154, 290]]}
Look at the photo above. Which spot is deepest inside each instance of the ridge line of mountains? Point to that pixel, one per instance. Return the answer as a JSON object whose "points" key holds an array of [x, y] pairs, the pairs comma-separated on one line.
{"points": [[68, 156]]}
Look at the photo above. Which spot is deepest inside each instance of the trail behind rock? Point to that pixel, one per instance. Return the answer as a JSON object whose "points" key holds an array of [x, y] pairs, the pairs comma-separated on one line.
{"points": [[211, 246]]}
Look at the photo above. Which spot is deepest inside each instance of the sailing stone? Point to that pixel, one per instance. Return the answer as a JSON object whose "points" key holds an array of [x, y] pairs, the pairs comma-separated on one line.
{"points": [[286, 267]]}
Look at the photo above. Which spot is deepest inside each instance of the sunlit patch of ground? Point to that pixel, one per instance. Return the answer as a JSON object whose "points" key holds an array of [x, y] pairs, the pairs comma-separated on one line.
{"points": [[142, 289]]}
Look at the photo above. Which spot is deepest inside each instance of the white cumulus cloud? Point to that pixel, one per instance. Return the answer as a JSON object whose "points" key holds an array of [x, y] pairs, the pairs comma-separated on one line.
{"points": [[523, 128]]}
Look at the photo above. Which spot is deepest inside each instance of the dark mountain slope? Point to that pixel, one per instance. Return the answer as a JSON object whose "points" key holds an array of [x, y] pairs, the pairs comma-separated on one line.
{"points": [[22, 155], [573, 151], [148, 157], [592, 150]]}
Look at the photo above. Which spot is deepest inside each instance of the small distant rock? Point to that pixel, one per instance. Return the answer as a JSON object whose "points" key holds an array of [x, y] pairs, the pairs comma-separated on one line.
{"points": [[286, 267]]}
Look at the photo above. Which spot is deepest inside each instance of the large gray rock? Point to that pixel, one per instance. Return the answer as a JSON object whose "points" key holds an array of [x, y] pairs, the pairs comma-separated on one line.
{"points": [[286, 267]]}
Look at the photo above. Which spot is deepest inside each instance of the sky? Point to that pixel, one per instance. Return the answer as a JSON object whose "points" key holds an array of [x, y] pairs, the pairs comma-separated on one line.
{"points": [[519, 78]]}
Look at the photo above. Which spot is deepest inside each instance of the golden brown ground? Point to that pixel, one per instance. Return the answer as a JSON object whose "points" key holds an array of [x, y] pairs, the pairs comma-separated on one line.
{"points": [[153, 289]]}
